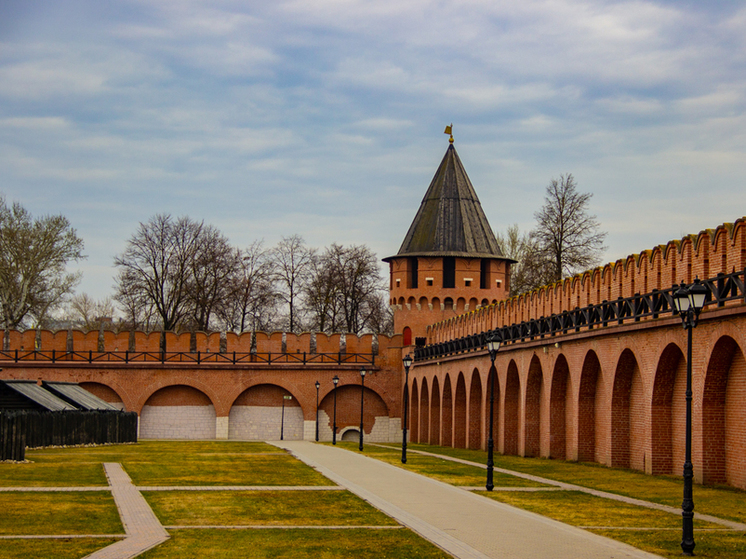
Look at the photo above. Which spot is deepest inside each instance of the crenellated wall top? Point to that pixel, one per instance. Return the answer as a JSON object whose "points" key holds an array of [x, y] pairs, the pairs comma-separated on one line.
{"points": [[71, 340], [704, 255]]}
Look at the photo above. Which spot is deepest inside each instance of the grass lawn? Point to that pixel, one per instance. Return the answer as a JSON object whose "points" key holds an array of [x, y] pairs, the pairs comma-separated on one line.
{"points": [[588, 511], [278, 508], [175, 463], [59, 549], [68, 513], [163, 463], [440, 469], [296, 543], [709, 545]]}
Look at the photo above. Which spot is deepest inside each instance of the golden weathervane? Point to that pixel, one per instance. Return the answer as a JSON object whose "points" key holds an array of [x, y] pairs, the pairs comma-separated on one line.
{"points": [[449, 130]]}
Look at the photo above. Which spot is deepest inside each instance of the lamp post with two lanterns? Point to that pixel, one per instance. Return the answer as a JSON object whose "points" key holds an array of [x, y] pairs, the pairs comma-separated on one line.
{"points": [[688, 303]]}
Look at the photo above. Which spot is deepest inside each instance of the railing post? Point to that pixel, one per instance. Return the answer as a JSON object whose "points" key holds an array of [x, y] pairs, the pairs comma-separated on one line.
{"points": [[199, 357], [304, 357], [126, 355], [90, 356], [234, 357], [53, 356]]}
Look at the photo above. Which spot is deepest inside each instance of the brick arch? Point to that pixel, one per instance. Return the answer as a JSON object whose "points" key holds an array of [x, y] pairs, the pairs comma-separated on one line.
{"points": [[435, 413], [178, 411], [668, 412], [105, 392], [475, 410], [447, 412], [532, 415], [261, 412], [627, 414], [558, 395], [424, 412], [511, 410], [199, 386], [723, 415], [587, 406], [459, 413]]}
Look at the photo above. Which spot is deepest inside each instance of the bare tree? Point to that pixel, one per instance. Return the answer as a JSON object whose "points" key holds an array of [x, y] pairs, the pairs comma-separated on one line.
{"points": [[33, 256], [346, 290], [322, 297], [214, 263], [155, 267], [251, 302], [567, 235], [292, 261], [532, 269], [91, 313]]}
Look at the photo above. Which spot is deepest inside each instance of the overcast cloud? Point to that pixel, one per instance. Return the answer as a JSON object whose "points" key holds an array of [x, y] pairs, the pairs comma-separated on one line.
{"points": [[325, 118]]}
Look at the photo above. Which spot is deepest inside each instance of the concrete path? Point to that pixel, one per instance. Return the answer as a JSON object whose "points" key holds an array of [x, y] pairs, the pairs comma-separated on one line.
{"points": [[142, 527], [466, 525]]}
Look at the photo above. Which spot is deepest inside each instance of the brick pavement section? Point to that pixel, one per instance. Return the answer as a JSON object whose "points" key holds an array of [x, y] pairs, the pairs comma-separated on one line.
{"points": [[143, 528], [466, 525]]}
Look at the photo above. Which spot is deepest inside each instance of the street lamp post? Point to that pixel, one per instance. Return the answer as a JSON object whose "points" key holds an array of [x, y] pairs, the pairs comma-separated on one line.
{"points": [[493, 345], [362, 402], [317, 410], [688, 303], [407, 364], [335, 380], [282, 422]]}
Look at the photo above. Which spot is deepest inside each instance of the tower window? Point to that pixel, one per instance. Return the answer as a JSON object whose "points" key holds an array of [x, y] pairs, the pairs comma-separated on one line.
{"points": [[449, 272], [484, 274], [413, 271]]}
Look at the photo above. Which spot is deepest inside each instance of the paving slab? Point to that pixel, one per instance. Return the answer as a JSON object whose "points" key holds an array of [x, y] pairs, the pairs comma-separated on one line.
{"points": [[466, 525]]}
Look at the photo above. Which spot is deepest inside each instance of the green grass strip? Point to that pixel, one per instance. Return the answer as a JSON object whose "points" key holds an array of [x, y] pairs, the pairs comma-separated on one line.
{"points": [[709, 545], [441, 469], [57, 548], [296, 544], [68, 513], [231, 469], [581, 509], [163, 463], [270, 508]]}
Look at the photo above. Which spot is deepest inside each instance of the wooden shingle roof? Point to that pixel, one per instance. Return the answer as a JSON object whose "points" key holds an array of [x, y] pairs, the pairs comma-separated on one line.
{"points": [[450, 220]]}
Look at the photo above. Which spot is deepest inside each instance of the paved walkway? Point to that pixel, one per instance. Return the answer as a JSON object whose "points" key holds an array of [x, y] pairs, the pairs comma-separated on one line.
{"points": [[466, 525], [142, 527]]}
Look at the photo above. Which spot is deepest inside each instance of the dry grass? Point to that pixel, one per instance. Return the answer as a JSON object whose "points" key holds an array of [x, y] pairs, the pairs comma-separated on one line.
{"points": [[68, 513], [270, 508], [296, 544], [59, 548]]}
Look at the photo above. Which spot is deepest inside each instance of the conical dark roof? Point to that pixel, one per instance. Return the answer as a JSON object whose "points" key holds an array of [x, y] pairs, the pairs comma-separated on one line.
{"points": [[450, 221]]}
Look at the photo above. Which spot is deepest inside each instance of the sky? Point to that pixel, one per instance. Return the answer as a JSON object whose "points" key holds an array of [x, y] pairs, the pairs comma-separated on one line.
{"points": [[325, 119]]}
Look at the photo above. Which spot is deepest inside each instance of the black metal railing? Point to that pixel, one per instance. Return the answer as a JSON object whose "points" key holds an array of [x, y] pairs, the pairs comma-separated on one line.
{"points": [[722, 288], [197, 357]]}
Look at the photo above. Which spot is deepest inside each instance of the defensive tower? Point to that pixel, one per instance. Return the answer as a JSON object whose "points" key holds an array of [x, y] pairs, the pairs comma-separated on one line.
{"points": [[450, 261]]}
